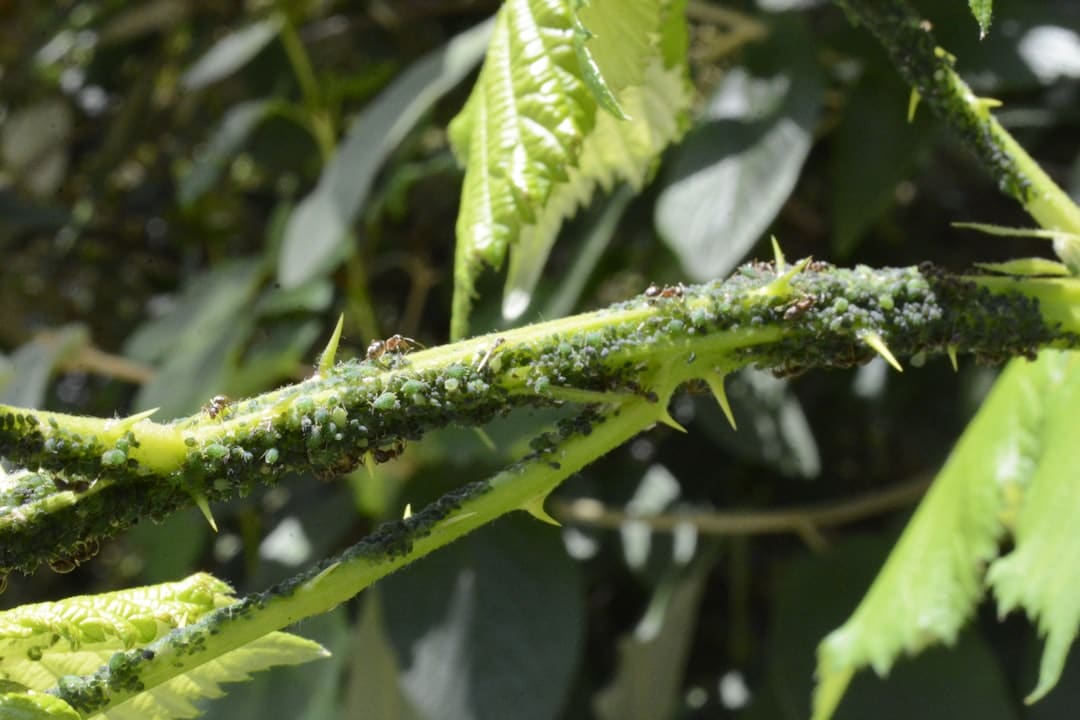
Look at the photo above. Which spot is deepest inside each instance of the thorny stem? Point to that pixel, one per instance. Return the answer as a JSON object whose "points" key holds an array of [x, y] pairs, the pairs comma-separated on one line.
{"points": [[929, 70], [86, 479]]}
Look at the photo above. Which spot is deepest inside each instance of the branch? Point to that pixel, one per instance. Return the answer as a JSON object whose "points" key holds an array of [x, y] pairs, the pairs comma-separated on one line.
{"points": [[88, 478]]}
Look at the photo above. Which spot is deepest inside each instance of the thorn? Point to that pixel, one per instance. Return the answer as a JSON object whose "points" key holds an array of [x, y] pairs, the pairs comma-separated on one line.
{"points": [[204, 507], [781, 286], [369, 466], [716, 384], [913, 105], [408, 512], [326, 360], [951, 350], [665, 417], [127, 422], [778, 255], [987, 104], [535, 507], [485, 439], [878, 345]]}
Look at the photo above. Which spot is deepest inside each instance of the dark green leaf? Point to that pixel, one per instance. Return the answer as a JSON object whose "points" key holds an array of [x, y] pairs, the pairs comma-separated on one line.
{"points": [[31, 366], [733, 173], [230, 53], [235, 128]]}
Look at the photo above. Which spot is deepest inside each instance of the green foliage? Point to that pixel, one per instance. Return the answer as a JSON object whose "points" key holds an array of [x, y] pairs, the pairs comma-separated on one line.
{"points": [[983, 11], [534, 140]]}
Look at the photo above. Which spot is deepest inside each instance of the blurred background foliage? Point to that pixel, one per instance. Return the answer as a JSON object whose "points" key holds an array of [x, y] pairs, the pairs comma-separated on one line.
{"points": [[191, 192]]}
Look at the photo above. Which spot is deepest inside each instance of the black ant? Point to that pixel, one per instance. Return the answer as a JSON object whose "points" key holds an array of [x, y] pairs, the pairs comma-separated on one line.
{"points": [[217, 405], [397, 344]]}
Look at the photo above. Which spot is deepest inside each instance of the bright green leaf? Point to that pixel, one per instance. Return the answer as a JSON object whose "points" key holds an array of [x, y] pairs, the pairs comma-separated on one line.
{"points": [[317, 235], [32, 705], [934, 577], [534, 144], [983, 11], [230, 54], [1039, 574]]}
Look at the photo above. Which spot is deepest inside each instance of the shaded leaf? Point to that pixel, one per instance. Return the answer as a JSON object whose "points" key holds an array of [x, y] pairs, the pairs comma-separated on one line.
{"points": [[33, 145], [874, 149], [374, 687], [652, 660], [235, 128], [25, 377], [230, 53], [732, 174], [933, 578], [490, 627], [317, 235]]}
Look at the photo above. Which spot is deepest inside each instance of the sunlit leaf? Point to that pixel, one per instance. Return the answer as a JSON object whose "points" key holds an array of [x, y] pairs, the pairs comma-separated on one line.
{"points": [[33, 705], [1039, 574], [983, 11], [317, 234], [230, 53], [533, 138], [934, 577]]}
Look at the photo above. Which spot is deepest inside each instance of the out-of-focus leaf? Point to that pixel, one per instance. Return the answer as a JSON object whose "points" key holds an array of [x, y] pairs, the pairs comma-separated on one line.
{"points": [[230, 53], [491, 626], [1051, 52], [208, 326], [317, 234], [33, 705], [933, 578], [1037, 575], [812, 595], [374, 688], [277, 351], [773, 430], [143, 18], [33, 145], [235, 128], [649, 675], [874, 149], [533, 142], [656, 491], [32, 364], [983, 11], [309, 692], [731, 175]]}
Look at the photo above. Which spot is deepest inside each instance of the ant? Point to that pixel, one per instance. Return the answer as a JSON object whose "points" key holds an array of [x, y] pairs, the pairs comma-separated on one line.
{"points": [[654, 291], [397, 344], [799, 307], [217, 405]]}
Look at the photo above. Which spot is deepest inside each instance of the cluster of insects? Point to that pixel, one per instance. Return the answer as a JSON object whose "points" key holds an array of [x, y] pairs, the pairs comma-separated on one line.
{"points": [[396, 344]]}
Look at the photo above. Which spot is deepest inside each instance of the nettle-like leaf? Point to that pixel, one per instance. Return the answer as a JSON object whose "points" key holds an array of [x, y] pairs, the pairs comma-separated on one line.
{"points": [[535, 136], [1013, 470], [43, 642]]}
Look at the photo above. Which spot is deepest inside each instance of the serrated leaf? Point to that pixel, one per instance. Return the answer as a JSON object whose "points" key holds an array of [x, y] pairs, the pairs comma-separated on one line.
{"points": [[317, 234], [1039, 574], [933, 578], [230, 53], [77, 634], [235, 128], [32, 705], [176, 697], [983, 11], [533, 141]]}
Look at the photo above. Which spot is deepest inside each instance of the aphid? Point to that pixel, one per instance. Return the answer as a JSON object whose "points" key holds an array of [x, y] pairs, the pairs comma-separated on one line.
{"points": [[397, 344], [217, 405], [382, 455], [654, 291], [487, 356], [799, 307]]}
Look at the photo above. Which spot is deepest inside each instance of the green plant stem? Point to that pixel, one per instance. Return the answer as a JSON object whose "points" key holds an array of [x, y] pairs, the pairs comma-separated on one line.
{"points": [[929, 70], [86, 479], [524, 485], [318, 120]]}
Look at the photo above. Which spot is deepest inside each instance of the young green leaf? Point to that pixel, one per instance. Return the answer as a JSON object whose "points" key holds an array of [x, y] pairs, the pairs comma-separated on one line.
{"points": [[1038, 574], [983, 11], [933, 578], [533, 142]]}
